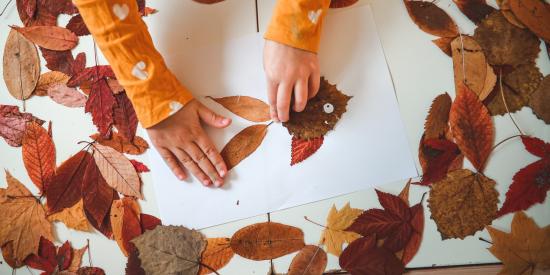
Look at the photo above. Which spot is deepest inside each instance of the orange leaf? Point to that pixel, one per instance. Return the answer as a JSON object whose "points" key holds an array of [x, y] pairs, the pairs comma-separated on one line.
{"points": [[472, 127], [431, 19], [72, 217], [534, 14], [304, 148], [243, 144], [249, 108], [125, 222], [217, 254], [444, 43], [118, 142], [49, 37], [38, 154], [311, 260]]}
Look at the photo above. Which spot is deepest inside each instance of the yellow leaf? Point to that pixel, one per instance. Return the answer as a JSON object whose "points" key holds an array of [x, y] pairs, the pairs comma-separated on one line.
{"points": [[72, 217], [334, 236]]}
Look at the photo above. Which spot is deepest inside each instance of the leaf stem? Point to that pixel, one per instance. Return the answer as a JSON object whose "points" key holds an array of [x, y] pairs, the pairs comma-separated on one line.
{"points": [[316, 223], [505, 104], [5, 7], [498, 144], [484, 240]]}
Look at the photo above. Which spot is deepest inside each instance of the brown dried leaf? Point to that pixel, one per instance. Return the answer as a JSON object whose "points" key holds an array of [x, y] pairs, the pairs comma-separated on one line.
{"points": [[539, 100], [321, 113], [217, 254], [311, 260], [243, 144], [469, 64], [136, 147], [77, 259], [431, 19], [444, 43], [49, 37], [475, 10], [463, 203], [534, 14], [72, 217], [38, 154], [504, 6], [268, 240], [437, 121], [249, 108], [21, 66], [524, 79], [66, 96], [48, 80]]}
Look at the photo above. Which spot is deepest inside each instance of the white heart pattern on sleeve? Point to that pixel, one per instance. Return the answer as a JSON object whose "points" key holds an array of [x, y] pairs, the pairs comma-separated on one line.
{"points": [[174, 107], [314, 15], [139, 70], [121, 11]]}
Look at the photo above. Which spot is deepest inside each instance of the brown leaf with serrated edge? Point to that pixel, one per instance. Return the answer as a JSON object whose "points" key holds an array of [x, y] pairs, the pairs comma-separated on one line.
{"points": [[437, 121], [463, 203], [136, 147], [64, 190], [311, 260], [267, 240], [504, 43], [247, 107], [124, 115], [23, 220], [514, 101], [431, 19], [539, 101], [504, 6], [21, 66], [125, 223], [72, 217], [469, 64], [335, 235], [336, 4], [77, 26], [170, 250], [525, 249], [216, 255], [444, 43], [38, 155], [49, 37], [48, 80], [243, 145], [472, 127], [363, 256], [303, 148], [97, 195], [67, 96], [534, 14], [117, 171], [475, 10]]}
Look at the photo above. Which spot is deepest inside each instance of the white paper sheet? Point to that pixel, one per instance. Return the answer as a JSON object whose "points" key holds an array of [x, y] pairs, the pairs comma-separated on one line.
{"points": [[368, 147]]}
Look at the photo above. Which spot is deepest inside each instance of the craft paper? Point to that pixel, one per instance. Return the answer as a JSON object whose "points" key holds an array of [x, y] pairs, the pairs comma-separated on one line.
{"points": [[368, 146]]}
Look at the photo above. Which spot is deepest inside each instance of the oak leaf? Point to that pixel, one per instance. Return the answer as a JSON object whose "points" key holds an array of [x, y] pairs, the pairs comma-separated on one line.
{"points": [[525, 249], [243, 144], [73, 217], [335, 235], [48, 80], [117, 171], [463, 203], [362, 256], [533, 14], [49, 37], [437, 121], [170, 250], [38, 155], [311, 260], [21, 66], [304, 148], [431, 19], [267, 240], [77, 26], [125, 118], [100, 104], [125, 223], [67, 96], [97, 195], [217, 254], [247, 107], [23, 220], [136, 146], [539, 98], [475, 10]]}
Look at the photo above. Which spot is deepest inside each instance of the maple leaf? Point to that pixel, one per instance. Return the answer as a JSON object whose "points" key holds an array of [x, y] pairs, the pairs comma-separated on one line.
{"points": [[97, 195], [23, 220], [100, 104], [125, 223], [21, 68], [335, 235], [51, 259], [13, 124], [125, 118], [437, 157], [531, 183], [243, 144], [304, 148], [362, 256], [49, 37], [140, 167], [77, 26], [475, 10], [525, 249], [216, 255], [38, 154], [136, 146], [431, 19], [249, 108], [170, 250], [267, 240], [72, 217], [311, 259]]}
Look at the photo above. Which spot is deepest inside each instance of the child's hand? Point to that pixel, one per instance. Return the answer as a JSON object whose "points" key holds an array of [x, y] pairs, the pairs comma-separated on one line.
{"points": [[289, 69], [182, 142]]}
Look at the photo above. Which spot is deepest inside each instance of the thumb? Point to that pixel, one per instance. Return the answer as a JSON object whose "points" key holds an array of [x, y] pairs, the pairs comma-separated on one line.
{"points": [[213, 119]]}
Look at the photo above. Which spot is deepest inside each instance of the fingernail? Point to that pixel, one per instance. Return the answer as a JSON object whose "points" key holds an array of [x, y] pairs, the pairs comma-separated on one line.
{"points": [[223, 173], [218, 183], [206, 182], [226, 121], [181, 177]]}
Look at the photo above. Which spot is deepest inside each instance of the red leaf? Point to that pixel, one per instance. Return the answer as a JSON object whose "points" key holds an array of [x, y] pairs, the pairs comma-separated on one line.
{"points": [[100, 104], [97, 195], [439, 155], [90, 271], [30, 8], [79, 64], [125, 118], [475, 10], [64, 190], [46, 258], [536, 146], [62, 7], [149, 222], [13, 124], [64, 256], [133, 266], [76, 25], [375, 221], [304, 148], [42, 16], [140, 167], [38, 154], [131, 228], [58, 60], [91, 74], [363, 257], [394, 204], [529, 186], [105, 226], [417, 224]]}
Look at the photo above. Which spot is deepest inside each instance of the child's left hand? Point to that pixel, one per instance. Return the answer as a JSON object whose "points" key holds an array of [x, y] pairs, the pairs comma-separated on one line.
{"points": [[289, 70]]}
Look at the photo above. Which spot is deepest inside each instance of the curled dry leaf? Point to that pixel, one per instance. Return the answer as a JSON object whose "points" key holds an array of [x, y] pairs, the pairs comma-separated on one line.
{"points": [[136, 147], [72, 217], [125, 215], [444, 43], [539, 100], [38, 154], [475, 10], [470, 65], [67, 96], [437, 121], [48, 80], [268, 240], [217, 254], [49, 37], [431, 19], [463, 203], [97, 195], [23, 220], [117, 171], [21, 66], [303, 148], [170, 250], [472, 127], [363, 256], [335, 234], [311, 260], [525, 249], [336, 4], [243, 144], [247, 107], [534, 14]]}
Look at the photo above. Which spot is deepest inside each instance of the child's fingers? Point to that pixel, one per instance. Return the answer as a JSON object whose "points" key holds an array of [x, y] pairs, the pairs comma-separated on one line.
{"points": [[300, 94], [191, 166], [172, 163], [212, 153], [213, 119], [314, 83], [272, 98], [284, 92], [203, 162]]}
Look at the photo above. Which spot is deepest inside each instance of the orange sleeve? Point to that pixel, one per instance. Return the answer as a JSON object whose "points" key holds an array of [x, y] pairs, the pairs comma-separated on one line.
{"points": [[122, 36], [298, 23]]}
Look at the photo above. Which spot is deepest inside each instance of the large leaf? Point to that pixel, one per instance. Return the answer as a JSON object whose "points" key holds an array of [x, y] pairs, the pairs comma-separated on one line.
{"points": [[125, 118], [243, 144], [247, 107], [38, 154], [538, 100], [49, 37], [21, 66], [97, 195], [431, 19]]}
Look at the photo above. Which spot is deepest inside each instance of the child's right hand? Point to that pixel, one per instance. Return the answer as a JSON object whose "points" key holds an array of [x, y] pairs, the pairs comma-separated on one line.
{"points": [[182, 143]]}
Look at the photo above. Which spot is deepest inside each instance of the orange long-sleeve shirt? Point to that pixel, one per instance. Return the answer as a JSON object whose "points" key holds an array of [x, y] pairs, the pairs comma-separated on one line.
{"points": [[154, 91]]}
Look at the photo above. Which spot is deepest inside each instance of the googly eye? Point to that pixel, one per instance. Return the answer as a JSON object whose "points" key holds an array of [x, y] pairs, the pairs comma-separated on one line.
{"points": [[328, 108]]}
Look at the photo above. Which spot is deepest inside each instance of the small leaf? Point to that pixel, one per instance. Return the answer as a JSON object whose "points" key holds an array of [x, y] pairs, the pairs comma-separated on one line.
{"points": [[431, 19], [249, 108], [444, 43], [437, 157], [67, 96], [217, 254], [48, 80], [243, 144], [125, 118], [437, 121], [140, 167], [49, 37], [148, 222], [38, 155], [310, 260], [76, 25], [13, 124], [100, 104], [303, 148], [21, 66]]}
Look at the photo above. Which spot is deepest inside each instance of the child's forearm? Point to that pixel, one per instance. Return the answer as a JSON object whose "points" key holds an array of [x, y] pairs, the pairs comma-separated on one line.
{"points": [[298, 23], [123, 38]]}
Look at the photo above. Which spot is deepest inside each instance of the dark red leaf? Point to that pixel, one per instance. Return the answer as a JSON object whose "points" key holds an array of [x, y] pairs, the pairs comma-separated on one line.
{"points": [[91, 74], [105, 226], [41, 16], [394, 204], [46, 258], [76, 25], [61, 61], [125, 118], [376, 221], [304, 148], [475, 10], [133, 266], [149, 222], [62, 7], [64, 256], [140, 167], [439, 155], [97, 195], [417, 224], [131, 228], [30, 8], [100, 104], [65, 188], [536, 146], [90, 271], [363, 257], [79, 63]]}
